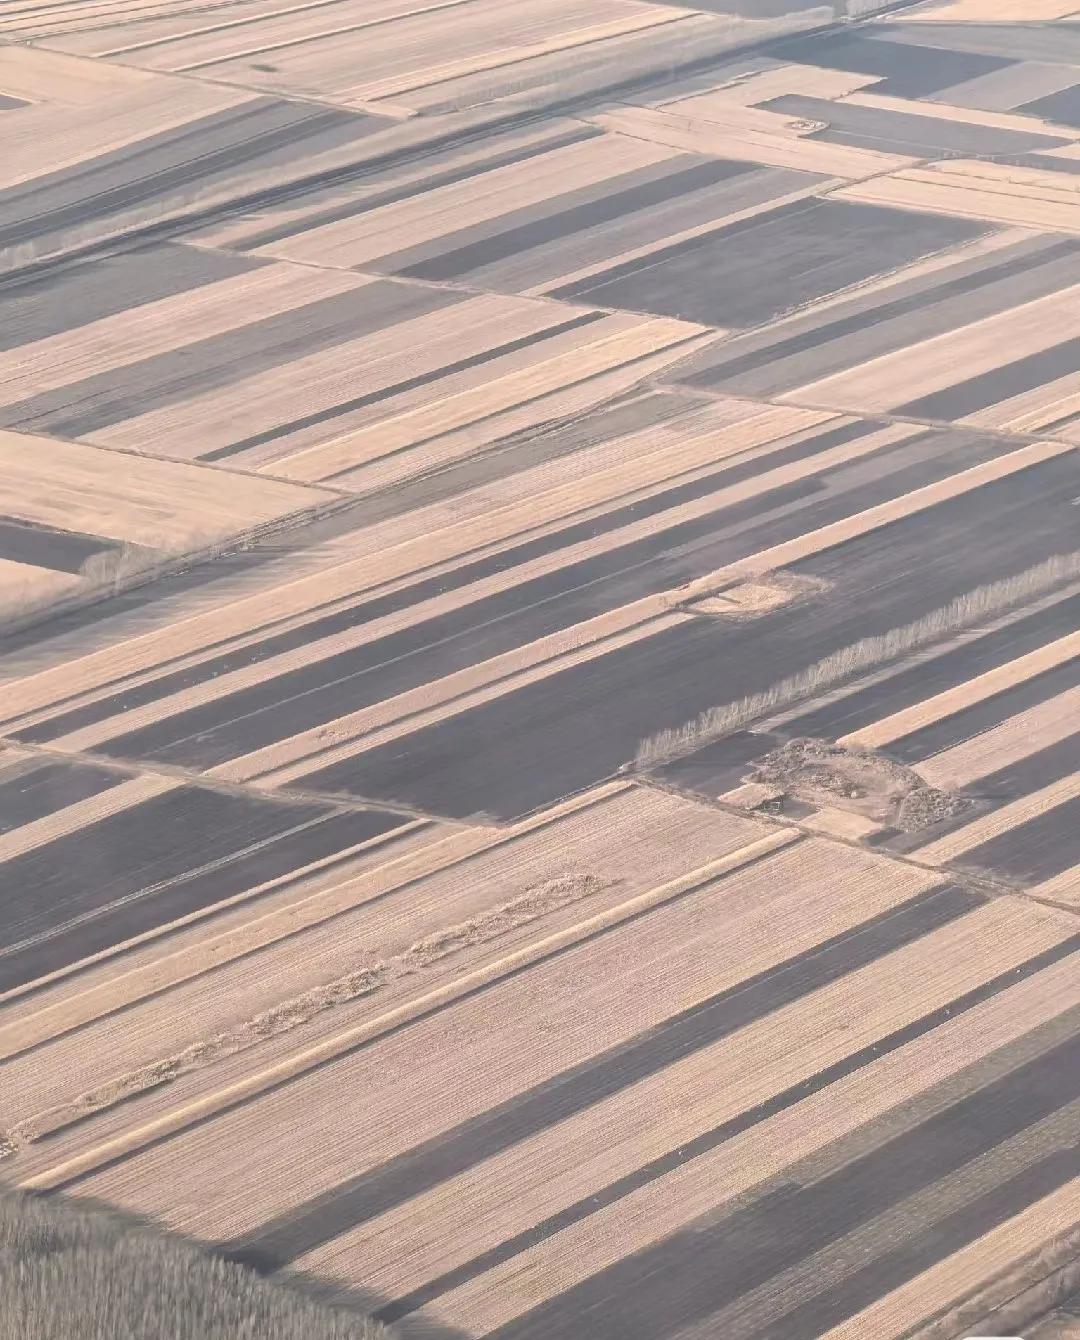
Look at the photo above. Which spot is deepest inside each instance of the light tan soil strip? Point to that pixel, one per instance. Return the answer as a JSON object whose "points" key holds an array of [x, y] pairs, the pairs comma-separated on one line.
{"points": [[1000, 821], [576, 1158], [839, 823], [936, 363], [51, 139], [412, 222], [977, 690], [751, 90], [892, 1317], [707, 1183], [114, 342], [163, 505], [395, 86], [369, 444], [36, 75], [749, 134], [1014, 739], [333, 1046], [1063, 888], [113, 990], [24, 587], [1026, 197]]}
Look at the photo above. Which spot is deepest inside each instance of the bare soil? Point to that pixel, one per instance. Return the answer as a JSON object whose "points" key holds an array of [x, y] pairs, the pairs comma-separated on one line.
{"points": [[866, 783]]}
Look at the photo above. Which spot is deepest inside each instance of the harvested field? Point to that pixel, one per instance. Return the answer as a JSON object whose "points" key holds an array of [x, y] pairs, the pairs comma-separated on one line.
{"points": [[539, 655]]}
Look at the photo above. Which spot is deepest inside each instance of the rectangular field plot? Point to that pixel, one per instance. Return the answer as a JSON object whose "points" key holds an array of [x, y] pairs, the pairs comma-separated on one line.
{"points": [[534, 210], [751, 273], [97, 151], [342, 941], [847, 348]]}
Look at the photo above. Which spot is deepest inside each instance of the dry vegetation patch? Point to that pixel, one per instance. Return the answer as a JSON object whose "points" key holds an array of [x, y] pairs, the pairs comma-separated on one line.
{"points": [[536, 902], [752, 599], [67, 1270]]}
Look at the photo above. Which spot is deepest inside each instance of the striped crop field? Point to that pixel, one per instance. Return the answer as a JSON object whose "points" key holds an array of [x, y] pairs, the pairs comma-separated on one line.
{"points": [[540, 654]]}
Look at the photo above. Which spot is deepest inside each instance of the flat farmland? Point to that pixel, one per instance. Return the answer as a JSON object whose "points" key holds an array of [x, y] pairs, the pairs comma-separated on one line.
{"points": [[540, 654]]}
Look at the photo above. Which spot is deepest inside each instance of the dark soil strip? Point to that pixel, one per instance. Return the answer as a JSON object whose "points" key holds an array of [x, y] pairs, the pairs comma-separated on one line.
{"points": [[365, 1197], [144, 867], [1039, 849], [36, 787], [41, 546], [719, 1135], [692, 1274]]}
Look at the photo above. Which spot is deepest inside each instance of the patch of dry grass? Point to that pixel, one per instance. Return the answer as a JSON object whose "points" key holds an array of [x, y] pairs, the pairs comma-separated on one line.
{"points": [[965, 611], [536, 902], [69, 1271]]}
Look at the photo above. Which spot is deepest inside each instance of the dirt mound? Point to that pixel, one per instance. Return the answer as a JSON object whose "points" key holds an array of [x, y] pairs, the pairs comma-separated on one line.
{"points": [[823, 773]]}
